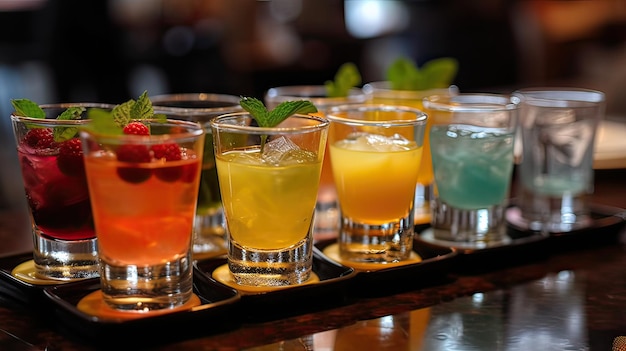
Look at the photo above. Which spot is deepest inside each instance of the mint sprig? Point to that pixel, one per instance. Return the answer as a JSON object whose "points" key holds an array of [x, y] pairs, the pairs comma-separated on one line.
{"points": [[434, 74], [347, 77], [113, 122], [102, 121], [268, 119], [28, 108]]}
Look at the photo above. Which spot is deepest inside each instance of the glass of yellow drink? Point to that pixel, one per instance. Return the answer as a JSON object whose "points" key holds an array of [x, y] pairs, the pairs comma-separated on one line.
{"points": [[326, 209], [143, 194], [375, 153], [209, 236], [381, 92], [269, 192]]}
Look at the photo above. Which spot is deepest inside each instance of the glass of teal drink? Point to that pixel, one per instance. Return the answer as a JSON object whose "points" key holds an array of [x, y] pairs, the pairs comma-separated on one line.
{"points": [[471, 140], [558, 128]]}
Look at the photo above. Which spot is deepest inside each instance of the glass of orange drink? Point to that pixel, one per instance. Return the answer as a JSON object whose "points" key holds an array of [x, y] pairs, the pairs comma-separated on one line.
{"points": [[375, 153], [143, 183], [381, 92]]}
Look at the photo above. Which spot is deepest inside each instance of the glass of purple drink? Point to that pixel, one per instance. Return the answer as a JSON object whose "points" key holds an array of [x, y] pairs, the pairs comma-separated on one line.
{"points": [[51, 159]]}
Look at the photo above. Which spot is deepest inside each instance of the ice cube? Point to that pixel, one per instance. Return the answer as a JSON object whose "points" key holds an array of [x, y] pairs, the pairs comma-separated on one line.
{"points": [[282, 151], [377, 142]]}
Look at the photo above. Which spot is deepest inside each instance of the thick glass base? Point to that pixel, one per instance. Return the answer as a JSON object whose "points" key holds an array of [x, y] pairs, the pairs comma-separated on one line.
{"points": [[482, 227], [147, 288], [290, 266], [385, 243], [547, 214], [63, 259]]}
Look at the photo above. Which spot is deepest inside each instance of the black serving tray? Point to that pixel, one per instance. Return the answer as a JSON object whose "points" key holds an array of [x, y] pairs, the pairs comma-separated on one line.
{"points": [[213, 315], [606, 228], [520, 248], [19, 290], [329, 292], [432, 270]]}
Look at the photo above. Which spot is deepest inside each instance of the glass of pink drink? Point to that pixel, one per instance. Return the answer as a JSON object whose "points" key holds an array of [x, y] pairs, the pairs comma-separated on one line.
{"points": [[50, 156]]}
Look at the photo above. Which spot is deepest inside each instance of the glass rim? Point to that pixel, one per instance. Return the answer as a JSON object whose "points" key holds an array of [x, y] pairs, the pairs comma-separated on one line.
{"points": [[218, 123], [421, 116], [103, 105], [472, 102], [314, 93], [551, 95], [52, 121], [385, 86], [195, 97]]}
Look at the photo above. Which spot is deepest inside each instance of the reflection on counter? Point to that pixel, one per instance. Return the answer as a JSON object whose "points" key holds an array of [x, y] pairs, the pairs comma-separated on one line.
{"points": [[477, 322]]}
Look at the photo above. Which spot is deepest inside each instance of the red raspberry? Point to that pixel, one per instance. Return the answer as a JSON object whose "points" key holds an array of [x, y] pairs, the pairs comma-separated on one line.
{"points": [[136, 128], [133, 154], [39, 138], [190, 172], [169, 152], [70, 159]]}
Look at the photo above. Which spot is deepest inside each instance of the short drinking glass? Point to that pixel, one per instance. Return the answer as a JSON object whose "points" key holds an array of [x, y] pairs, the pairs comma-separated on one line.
{"points": [[143, 194], [50, 156], [471, 141], [375, 153], [269, 192], [381, 92], [558, 129]]}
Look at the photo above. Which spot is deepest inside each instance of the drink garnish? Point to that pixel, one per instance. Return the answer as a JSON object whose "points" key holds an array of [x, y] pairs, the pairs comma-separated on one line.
{"points": [[70, 153], [434, 74], [126, 118], [346, 78], [114, 121], [269, 119], [28, 108]]}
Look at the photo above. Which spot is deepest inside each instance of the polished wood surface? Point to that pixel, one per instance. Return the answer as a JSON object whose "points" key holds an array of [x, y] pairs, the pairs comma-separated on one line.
{"points": [[573, 298]]}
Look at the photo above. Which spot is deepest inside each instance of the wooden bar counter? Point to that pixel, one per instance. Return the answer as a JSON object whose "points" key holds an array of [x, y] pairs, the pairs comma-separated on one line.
{"points": [[573, 298]]}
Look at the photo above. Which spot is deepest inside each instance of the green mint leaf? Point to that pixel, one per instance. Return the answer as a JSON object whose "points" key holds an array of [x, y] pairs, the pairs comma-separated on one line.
{"points": [[27, 108], [403, 74], [61, 134], [288, 108], [142, 108], [102, 121], [257, 110], [269, 119], [113, 122], [439, 73], [121, 113], [265, 118], [72, 113], [347, 77]]}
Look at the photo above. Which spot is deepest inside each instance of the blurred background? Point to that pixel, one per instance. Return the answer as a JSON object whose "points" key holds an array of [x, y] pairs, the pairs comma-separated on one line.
{"points": [[112, 51]]}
